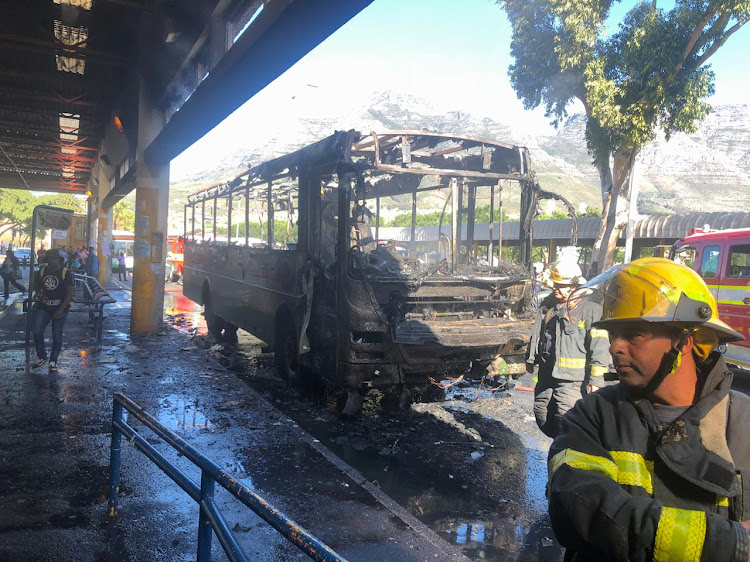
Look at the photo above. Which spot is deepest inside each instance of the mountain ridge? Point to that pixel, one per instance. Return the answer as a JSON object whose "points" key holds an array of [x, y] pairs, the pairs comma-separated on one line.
{"points": [[702, 171]]}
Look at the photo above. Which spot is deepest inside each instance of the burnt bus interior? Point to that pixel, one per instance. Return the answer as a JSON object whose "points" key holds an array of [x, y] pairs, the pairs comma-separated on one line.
{"points": [[365, 308]]}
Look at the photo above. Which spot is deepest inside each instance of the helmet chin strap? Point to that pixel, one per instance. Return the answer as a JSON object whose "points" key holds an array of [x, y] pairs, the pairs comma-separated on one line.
{"points": [[669, 364]]}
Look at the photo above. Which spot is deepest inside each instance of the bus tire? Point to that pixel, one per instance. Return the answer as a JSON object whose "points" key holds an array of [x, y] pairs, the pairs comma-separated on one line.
{"points": [[230, 333], [287, 358], [214, 324]]}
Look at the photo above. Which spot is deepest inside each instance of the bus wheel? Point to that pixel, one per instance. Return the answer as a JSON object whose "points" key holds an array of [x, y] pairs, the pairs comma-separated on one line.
{"points": [[214, 324], [230, 333], [287, 360]]}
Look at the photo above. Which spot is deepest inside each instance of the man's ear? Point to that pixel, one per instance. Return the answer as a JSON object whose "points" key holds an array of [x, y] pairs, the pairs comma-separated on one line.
{"points": [[687, 347]]}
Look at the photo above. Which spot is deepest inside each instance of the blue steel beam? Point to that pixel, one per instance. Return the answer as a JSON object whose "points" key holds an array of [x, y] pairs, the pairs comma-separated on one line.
{"points": [[253, 62]]}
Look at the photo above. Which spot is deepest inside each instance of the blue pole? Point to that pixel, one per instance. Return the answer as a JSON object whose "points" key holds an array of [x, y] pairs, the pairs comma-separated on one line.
{"points": [[114, 459], [205, 531]]}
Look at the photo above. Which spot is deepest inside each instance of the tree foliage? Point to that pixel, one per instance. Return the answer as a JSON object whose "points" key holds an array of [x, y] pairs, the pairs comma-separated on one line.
{"points": [[17, 207], [649, 75], [123, 215]]}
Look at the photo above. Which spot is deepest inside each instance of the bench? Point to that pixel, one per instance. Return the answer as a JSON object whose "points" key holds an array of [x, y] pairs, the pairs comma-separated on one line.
{"points": [[92, 297]]}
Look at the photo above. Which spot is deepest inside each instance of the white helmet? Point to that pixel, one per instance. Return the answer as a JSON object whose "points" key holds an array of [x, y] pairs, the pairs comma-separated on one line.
{"points": [[564, 272]]}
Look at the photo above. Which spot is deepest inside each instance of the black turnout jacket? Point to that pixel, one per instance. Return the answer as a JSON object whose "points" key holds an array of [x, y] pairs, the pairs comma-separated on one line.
{"points": [[624, 486]]}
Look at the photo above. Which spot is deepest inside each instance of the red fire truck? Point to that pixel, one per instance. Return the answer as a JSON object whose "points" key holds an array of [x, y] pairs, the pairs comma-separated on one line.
{"points": [[175, 257], [722, 258]]}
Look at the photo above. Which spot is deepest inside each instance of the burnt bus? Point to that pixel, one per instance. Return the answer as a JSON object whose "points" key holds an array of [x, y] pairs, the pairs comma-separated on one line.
{"points": [[293, 251]]}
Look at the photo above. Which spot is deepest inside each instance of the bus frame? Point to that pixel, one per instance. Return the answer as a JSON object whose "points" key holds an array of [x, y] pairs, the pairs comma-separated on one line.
{"points": [[374, 318]]}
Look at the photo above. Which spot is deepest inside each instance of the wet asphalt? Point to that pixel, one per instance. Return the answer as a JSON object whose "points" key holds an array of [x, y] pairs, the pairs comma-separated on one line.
{"points": [[55, 432]]}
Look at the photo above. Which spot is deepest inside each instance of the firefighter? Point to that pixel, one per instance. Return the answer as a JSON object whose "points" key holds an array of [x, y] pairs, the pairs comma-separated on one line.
{"points": [[566, 348], [658, 466]]}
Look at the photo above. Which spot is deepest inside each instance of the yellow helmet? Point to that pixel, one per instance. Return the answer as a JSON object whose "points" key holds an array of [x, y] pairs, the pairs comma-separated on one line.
{"points": [[564, 272], [656, 290]]}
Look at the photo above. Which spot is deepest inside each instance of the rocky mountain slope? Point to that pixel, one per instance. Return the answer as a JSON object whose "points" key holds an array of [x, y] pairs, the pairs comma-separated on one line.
{"points": [[706, 171]]}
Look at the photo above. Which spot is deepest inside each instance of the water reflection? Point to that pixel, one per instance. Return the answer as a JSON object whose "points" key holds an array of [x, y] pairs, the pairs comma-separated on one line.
{"points": [[183, 315], [177, 412]]}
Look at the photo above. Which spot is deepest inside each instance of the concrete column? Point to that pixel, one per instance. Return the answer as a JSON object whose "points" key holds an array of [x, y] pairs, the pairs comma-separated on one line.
{"points": [[151, 208], [103, 231], [93, 221]]}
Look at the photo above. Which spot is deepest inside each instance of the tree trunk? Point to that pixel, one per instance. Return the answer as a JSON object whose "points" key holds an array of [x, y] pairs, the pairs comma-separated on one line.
{"points": [[615, 208]]}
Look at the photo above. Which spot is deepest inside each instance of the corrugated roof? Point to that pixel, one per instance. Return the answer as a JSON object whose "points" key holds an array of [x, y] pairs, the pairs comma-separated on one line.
{"points": [[653, 227]]}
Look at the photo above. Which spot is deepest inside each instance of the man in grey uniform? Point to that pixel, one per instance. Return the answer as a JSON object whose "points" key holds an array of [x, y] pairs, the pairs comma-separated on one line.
{"points": [[565, 347]]}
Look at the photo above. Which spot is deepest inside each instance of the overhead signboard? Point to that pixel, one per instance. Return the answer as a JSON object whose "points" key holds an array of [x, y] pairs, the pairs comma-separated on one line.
{"points": [[59, 219]]}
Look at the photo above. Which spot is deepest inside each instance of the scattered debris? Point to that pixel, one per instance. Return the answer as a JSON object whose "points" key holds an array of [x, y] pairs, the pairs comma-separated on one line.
{"points": [[448, 418], [476, 455]]}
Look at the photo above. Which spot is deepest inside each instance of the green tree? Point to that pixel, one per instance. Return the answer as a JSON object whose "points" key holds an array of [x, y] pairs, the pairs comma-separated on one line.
{"points": [[17, 208], [651, 74], [123, 215]]}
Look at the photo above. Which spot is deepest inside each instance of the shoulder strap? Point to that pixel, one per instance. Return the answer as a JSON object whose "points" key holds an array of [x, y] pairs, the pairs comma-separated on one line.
{"points": [[64, 272]]}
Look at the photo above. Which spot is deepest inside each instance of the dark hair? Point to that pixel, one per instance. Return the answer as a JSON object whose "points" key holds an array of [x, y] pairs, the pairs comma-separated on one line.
{"points": [[53, 252]]}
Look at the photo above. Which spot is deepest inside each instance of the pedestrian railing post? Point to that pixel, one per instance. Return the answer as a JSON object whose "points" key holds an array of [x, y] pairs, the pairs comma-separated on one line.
{"points": [[114, 458], [205, 531], [210, 518]]}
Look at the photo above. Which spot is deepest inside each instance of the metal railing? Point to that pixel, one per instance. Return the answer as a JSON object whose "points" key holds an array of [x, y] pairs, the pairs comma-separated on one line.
{"points": [[88, 292], [210, 518]]}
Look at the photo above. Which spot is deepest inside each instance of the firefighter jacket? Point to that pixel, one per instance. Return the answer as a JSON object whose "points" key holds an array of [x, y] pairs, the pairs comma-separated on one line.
{"points": [[564, 344], [625, 486]]}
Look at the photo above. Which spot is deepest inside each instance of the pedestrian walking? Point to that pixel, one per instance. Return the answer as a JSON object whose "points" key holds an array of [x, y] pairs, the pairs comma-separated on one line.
{"points": [[122, 268], [658, 466], [571, 355], [54, 291], [11, 273]]}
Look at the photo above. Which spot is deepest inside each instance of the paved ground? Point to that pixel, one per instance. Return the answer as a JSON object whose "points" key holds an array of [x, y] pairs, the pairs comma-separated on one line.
{"points": [[54, 456]]}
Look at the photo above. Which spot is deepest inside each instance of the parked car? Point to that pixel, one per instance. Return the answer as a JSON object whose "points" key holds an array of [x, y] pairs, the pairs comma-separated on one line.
{"points": [[722, 258], [23, 255]]}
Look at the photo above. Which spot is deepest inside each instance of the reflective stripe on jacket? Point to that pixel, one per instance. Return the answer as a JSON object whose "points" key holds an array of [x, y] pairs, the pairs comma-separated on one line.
{"points": [[578, 351], [622, 486]]}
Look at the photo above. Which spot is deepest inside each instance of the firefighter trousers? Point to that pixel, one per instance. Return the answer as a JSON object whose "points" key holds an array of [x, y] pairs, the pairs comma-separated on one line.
{"points": [[552, 398]]}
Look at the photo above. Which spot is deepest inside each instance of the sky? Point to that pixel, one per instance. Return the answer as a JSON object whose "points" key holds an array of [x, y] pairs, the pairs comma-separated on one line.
{"points": [[454, 54]]}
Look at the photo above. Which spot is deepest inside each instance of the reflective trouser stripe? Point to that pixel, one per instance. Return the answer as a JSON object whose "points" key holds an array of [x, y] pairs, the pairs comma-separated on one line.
{"points": [[628, 469], [571, 363], [632, 470], [598, 370], [680, 535]]}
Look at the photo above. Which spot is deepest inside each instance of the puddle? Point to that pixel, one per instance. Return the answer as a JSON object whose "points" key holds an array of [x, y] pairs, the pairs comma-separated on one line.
{"points": [[176, 412], [183, 315]]}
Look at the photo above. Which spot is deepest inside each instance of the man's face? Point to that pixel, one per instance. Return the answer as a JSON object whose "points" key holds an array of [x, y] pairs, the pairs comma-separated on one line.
{"points": [[53, 261], [562, 292], [638, 349]]}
